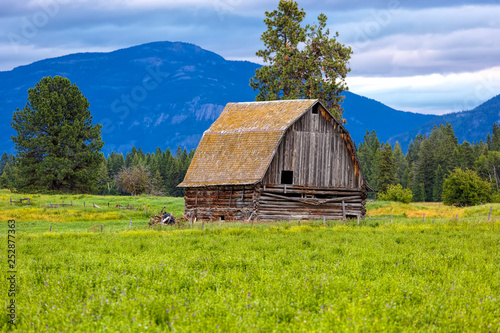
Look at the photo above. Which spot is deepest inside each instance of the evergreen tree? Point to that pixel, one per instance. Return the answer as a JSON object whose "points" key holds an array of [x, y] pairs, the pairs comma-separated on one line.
{"points": [[3, 161], [495, 139], [129, 158], [103, 181], [414, 148], [58, 147], [418, 190], [424, 172], [368, 156], [464, 156], [115, 163], [438, 184], [8, 178], [401, 165], [387, 170], [304, 62]]}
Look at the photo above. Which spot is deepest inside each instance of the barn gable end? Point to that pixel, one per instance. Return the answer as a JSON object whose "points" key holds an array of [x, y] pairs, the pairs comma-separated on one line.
{"points": [[261, 159]]}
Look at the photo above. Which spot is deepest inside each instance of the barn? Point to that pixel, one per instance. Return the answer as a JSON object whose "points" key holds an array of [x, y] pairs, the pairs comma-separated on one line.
{"points": [[275, 160]]}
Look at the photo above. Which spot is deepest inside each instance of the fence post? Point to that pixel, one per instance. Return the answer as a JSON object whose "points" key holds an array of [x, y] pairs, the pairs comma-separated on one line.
{"points": [[203, 225], [220, 221], [424, 217], [324, 221], [358, 219], [391, 218], [50, 229], [130, 227], [84, 204], [343, 211], [489, 214]]}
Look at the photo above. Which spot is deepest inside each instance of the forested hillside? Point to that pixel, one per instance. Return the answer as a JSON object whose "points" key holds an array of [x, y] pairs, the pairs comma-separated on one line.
{"points": [[429, 161]]}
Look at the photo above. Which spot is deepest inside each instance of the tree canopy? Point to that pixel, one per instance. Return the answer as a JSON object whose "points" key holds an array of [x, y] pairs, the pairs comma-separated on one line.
{"points": [[304, 61], [58, 146]]}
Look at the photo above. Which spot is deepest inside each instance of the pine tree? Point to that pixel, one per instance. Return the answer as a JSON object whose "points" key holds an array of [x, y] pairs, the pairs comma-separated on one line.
{"points": [[495, 139], [368, 155], [58, 147], [115, 162], [8, 177], [437, 189], [414, 148], [3, 161], [304, 62], [401, 165], [387, 170], [424, 172], [103, 181]]}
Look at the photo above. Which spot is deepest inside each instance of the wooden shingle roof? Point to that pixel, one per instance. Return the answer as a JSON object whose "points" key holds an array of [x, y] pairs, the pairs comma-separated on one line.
{"points": [[239, 146]]}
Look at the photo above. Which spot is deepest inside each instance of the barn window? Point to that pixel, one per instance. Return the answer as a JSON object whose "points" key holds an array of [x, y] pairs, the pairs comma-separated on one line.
{"points": [[286, 177], [315, 109]]}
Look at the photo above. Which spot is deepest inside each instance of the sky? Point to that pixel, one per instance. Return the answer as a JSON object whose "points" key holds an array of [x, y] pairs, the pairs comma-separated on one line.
{"points": [[426, 56]]}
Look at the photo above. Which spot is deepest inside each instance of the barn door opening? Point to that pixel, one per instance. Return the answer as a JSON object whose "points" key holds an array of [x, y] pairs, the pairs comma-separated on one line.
{"points": [[287, 177]]}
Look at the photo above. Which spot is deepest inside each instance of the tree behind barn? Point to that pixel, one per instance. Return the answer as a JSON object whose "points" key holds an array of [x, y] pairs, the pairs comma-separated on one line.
{"points": [[304, 62], [58, 146]]}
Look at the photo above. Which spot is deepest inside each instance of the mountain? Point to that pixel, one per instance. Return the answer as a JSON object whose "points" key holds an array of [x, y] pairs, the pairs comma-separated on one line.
{"points": [[364, 114], [471, 126], [166, 94], [152, 95]]}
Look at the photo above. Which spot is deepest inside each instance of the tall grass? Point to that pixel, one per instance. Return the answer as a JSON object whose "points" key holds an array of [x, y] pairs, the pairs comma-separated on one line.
{"points": [[266, 277]]}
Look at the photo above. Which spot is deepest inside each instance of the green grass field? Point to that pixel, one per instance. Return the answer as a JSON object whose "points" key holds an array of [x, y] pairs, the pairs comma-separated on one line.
{"points": [[406, 275]]}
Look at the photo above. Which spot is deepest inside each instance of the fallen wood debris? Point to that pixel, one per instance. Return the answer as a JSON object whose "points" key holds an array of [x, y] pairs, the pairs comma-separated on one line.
{"points": [[162, 218]]}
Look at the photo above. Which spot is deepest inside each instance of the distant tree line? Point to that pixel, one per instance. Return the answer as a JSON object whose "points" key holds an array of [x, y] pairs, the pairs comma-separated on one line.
{"points": [[432, 165], [134, 173]]}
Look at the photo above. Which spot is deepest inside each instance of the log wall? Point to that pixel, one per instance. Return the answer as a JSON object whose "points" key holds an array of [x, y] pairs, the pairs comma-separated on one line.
{"points": [[211, 203], [281, 202]]}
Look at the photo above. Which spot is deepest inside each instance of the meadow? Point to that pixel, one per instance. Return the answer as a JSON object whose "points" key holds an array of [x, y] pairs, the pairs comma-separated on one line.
{"points": [[401, 275]]}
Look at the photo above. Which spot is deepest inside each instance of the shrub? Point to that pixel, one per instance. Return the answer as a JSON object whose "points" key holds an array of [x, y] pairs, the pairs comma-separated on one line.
{"points": [[396, 193], [465, 188]]}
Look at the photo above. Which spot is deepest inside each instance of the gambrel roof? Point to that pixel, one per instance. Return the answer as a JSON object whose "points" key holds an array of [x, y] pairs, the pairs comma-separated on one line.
{"points": [[240, 145]]}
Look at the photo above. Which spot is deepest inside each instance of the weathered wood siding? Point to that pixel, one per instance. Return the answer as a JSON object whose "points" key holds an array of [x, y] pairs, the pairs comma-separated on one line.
{"points": [[317, 151], [215, 202], [281, 202]]}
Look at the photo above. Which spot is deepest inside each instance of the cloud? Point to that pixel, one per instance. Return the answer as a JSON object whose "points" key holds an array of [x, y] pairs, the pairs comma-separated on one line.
{"points": [[432, 93], [443, 42]]}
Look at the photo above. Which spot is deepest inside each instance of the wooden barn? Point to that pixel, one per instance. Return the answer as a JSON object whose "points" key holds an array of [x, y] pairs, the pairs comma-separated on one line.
{"points": [[274, 161]]}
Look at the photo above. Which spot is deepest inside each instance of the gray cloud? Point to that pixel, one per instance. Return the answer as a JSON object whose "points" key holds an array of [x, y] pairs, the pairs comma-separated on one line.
{"points": [[390, 38]]}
